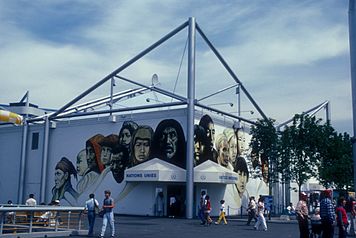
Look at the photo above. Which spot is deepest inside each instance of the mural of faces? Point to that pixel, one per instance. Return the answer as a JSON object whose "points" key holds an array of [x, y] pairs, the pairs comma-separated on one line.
{"points": [[82, 165], [232, 141], [105, 155], [223, 150], [93, 151], [60, 177], [90, 154], [200, 139], [243, 174], [209, 151], [141, 144], [169, 142], [241, 142], [126, 132], [119, 162], [241, 182]]}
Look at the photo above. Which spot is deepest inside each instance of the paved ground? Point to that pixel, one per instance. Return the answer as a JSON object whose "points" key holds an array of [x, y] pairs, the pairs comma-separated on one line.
{"points": [[145, 227]]}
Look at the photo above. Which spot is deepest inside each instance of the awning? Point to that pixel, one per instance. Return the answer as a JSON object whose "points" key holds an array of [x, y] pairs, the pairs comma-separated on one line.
{"points": [[211, 172], [155, 170]]}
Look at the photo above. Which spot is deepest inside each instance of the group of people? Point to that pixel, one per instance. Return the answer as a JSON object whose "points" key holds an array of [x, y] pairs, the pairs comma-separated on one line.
{"points": [[106, 211], [256, 211], [324, 218]]}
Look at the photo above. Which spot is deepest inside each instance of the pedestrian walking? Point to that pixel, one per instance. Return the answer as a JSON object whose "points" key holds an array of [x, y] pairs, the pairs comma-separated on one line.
{"points": [[302, 215], [222, 213], [251, 211], [261, 221], [91, 206], [108, 205], [327, 214], [207, 210], [341, 215], [202, 208]]}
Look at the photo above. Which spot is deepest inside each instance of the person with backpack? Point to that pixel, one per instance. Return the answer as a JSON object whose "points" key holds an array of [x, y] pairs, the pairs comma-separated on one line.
{"points": [[91, 206]]}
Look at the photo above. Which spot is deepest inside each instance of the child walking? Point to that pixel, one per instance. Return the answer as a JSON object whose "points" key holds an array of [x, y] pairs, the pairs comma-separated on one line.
{"points": [[222, 213]]}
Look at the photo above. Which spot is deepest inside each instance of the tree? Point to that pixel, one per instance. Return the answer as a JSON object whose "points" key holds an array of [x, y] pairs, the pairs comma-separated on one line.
{"points": [[264, 147], [336, 165], [299, 149]]}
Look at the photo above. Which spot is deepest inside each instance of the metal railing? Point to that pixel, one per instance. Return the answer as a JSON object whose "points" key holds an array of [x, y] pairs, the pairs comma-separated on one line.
{"points": [[17, 221]]}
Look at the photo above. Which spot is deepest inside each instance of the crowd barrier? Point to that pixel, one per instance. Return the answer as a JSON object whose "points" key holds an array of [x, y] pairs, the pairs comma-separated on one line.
{"points": [[40, 221]]}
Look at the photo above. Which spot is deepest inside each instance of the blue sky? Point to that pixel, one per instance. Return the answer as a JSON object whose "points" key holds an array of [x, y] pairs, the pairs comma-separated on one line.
{"points": [[290, 55]]}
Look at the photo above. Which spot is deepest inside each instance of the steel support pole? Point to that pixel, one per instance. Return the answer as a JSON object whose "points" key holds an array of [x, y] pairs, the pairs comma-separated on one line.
{"points": [[22, 163], [190, 119], [352, 35], [43, 197]]}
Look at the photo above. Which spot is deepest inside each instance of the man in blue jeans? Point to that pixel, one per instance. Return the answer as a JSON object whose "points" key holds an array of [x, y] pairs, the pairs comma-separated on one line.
{"points": [[90, 206], [108, 205]]}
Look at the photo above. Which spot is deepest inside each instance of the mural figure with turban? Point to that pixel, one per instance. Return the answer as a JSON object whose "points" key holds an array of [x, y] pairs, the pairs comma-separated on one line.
{"points": [[169, 143], [62, 178], [141, 145], [210, 152]]}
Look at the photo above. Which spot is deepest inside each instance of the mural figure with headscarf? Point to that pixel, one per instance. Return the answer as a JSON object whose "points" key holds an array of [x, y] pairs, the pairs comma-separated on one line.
{"points": [[169, 143], [141, 145], [210, 152], [62, 178], [126, 132], [93, 154]]}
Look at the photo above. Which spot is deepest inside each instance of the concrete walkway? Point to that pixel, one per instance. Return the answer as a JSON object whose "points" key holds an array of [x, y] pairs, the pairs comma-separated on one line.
{"points": [[145, 227]]}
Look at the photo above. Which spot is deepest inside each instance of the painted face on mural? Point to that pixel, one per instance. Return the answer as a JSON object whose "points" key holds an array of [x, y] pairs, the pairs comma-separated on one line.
{"points": [[210, 133], [105, 156], [223, 151], [82, 165], [169, 142], [90, 157], [241, 182], [60, 178], [198, 149], [142, 149], [241, 142], [125, 137], [117, 164], [232, 149]]}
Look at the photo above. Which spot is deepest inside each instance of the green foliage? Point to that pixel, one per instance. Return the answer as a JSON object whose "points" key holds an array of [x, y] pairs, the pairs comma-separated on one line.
{"points": [[264, 145], [299, 156], [336, 164], [304, 150]]}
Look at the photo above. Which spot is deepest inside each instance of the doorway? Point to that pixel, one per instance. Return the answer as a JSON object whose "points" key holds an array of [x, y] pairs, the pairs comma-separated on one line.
{"points": [[176, 200]]}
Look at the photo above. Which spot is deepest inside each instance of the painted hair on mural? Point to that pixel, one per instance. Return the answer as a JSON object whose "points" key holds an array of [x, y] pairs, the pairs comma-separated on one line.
{"points": [[67, 167], [93, 153], [126, 132], [241, 165], [169, 142], [200, 140]]}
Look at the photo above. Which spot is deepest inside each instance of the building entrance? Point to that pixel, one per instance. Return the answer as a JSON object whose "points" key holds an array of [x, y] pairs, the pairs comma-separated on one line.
{"points": [[176, 200]]}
